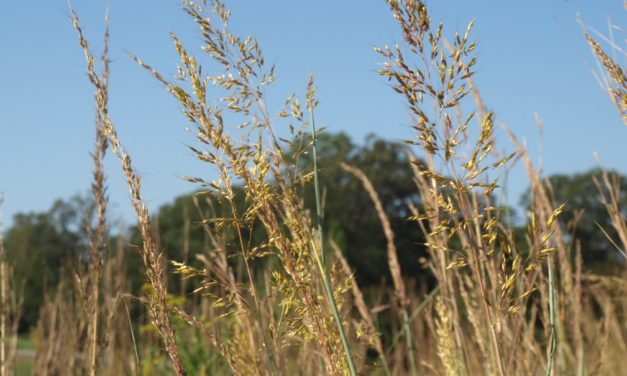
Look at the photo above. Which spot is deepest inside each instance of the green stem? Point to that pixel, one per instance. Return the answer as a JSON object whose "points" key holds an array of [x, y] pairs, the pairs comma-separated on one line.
{"points": [[410, 344], [382, 356], [319, 216], [320, 256], [411, 317], [553, 344], [130, 323]]}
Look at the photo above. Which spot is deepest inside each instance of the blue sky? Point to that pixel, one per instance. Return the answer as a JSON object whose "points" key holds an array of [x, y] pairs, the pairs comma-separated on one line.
{"points": [[532, 59]]}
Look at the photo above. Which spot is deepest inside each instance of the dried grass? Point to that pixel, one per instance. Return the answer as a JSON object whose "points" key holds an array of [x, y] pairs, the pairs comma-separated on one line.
{"points": [[502, 305]]}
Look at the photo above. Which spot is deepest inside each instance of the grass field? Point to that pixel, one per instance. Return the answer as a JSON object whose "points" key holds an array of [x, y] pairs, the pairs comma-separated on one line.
{"points": [[272, 292]]}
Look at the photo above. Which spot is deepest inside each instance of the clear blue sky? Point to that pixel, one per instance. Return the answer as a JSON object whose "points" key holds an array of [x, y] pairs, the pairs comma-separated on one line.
{"points": [[532, 58]]}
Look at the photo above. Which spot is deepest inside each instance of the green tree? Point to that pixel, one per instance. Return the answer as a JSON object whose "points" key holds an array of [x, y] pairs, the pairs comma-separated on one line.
{"points": [[40, 245]]}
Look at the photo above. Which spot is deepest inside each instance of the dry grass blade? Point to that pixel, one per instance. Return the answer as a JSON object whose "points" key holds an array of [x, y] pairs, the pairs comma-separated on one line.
{"points": [[509, 298]]}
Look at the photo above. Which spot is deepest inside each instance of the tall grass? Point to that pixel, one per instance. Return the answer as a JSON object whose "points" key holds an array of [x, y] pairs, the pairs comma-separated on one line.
{"points": [[504, 303], [10, 308], [151, 256]]}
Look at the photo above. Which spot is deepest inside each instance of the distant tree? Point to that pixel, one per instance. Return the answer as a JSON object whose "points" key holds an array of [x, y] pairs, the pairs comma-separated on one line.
{"points": [[40, 245], [582, 199]]}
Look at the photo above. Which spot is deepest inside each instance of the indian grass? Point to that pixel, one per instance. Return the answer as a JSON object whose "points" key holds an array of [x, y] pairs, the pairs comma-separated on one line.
{"points": [[97, 238], [268, 202], [500, 306], [152, 258]]}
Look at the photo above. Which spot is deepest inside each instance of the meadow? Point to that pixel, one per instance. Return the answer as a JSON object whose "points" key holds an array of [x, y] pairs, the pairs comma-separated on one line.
{"points": [[262, 284]]}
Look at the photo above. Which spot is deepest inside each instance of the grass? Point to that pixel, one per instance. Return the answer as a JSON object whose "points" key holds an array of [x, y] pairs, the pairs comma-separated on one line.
{"points": [[25, 343], [24, 362], [502, 305], [24, 366]]}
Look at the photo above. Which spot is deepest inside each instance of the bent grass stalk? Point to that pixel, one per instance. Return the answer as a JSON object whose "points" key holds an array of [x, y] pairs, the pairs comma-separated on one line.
{"points": [[478, 270], [395, 268]]}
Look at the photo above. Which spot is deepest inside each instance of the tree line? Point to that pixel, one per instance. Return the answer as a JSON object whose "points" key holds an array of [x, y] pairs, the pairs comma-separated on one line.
{"points": [[44, 246]]}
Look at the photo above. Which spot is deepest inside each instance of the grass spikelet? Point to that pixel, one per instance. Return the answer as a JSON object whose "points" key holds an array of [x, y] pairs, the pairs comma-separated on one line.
{"points": [[447, 351], [258, 292]]}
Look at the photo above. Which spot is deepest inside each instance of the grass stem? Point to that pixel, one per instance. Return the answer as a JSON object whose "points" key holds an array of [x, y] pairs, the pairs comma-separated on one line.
{"points": [[552, 343], [320, 256]]}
